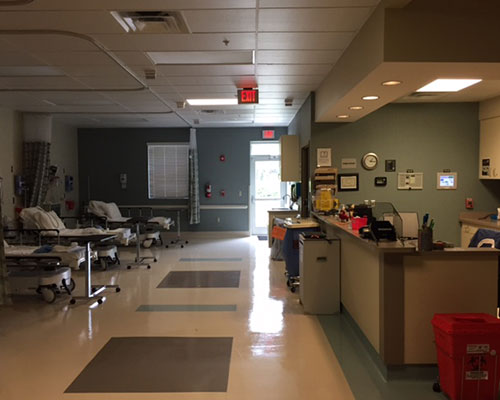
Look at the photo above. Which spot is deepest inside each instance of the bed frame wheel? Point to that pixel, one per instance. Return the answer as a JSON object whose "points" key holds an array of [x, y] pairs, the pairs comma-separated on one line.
{"points": [[48, 294]]}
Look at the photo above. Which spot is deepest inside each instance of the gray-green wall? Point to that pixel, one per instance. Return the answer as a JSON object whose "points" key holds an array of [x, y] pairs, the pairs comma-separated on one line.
{"points": [[105, 153], [426, 138]]}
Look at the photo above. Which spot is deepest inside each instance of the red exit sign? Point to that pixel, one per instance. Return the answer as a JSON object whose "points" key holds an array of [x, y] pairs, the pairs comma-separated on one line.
{"points": [[248, 96]]}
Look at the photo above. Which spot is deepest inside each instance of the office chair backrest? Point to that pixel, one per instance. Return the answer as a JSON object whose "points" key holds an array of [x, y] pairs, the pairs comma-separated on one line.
{"points": [[485, 238], [410, 224]]}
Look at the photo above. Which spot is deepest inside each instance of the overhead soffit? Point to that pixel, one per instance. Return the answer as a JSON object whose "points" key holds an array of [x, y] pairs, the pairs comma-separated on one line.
{"points": [[419, 43]]}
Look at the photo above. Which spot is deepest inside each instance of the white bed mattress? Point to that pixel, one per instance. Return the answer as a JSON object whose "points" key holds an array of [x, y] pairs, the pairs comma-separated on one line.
{"points": [[72, 256]]}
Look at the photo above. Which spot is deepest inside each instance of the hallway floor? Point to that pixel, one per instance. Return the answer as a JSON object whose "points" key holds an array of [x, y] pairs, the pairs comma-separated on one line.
{"points": [[212, 333]]}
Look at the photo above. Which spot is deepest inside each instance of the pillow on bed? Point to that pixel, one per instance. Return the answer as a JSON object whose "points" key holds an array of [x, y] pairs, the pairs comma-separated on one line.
{"points": [[98, 208], [44, 221], [58, 223], [29, 217], [113, 212]]}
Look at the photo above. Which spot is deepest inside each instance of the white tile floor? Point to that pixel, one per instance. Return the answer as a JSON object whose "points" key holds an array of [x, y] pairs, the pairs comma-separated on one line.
{"points": [[277, 353]]}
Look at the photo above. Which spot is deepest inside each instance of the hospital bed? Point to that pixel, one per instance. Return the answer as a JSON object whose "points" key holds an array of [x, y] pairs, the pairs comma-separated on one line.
{"points": [[46, 276], [73, 255], [112, 216], [49, 223]]}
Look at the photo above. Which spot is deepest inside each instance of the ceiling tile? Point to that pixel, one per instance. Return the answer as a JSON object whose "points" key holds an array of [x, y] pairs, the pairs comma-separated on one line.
{"points": [[49, 42], [127, 5], [39, 83], [286, 88], [312, 20], [95, 70], [179, 42], [108, 82], [298, 56], [206, 89], [18, 59], [316, 3], [134, 58], [206, 70], [212, 80], [221, 20], [85, 22], [295, 69], [304, 40], [289, 79], [75, 58]]}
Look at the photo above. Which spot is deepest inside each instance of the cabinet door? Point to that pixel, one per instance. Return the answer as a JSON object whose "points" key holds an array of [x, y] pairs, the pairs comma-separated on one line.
{"points": [[489, 149], [290, 158]]}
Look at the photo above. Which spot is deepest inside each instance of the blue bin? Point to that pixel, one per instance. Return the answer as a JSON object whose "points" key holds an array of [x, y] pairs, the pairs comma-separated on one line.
{"points": [[291, 249]]}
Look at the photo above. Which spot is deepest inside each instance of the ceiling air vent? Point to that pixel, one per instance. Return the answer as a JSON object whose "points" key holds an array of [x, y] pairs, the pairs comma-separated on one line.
{"points": [[424, 95], [212, 112], [152, 21]]}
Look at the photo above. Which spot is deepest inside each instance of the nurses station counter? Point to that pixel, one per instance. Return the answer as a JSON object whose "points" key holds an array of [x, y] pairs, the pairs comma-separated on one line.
{"points": [[392, 291]]}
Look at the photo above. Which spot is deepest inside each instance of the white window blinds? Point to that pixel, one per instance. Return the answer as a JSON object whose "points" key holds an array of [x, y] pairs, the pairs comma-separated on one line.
{"points": [[168, 170]]}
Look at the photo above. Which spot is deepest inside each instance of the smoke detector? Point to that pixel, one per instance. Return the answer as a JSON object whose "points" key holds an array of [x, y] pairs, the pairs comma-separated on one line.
{"points": [[151, 21]]}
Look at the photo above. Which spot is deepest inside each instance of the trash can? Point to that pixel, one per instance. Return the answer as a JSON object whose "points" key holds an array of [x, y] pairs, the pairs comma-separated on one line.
{"points": [[291, 248], [277, 243], [467, 347], [319, 267]]}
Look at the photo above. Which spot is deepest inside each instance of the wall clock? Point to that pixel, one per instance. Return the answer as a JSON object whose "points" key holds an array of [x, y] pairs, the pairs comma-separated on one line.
{"points": [[369, 161]]}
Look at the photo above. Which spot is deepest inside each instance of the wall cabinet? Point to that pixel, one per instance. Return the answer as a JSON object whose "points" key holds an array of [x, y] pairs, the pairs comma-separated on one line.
{"points": [[489, 149], [290, 158]]}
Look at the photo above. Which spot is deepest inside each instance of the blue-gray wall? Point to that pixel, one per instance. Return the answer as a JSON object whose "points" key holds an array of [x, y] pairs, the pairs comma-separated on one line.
{"points": [[105, 153], [426, 138]]}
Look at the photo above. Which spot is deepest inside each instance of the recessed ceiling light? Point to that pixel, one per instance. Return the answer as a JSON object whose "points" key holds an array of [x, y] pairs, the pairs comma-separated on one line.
{"points": [[448, 85], [391, 83], [212, 102], [355, 108], [343, 116], [370, 98]]}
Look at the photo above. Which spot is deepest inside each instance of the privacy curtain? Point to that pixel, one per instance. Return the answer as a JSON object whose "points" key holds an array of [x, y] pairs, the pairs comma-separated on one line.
{"points": [[194, 190], [4, 299], [36, 162]]}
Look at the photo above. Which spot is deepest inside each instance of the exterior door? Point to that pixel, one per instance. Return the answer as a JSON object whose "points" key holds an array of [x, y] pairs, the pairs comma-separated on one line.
{"points": [[266, 189]]}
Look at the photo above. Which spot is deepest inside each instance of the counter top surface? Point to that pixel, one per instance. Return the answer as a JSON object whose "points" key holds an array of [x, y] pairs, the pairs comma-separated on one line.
{"points": [[408, 246], [480, 219], [301, 223]]}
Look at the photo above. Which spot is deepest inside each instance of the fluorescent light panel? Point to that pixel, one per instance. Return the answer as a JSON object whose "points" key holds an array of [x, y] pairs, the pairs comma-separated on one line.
{"points": [[448, 85], [212, 102], [202, 57]]}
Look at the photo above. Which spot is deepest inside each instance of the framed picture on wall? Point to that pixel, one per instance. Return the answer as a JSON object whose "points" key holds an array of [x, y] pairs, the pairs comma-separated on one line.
{"points": [[348, 182], [324, 157]]}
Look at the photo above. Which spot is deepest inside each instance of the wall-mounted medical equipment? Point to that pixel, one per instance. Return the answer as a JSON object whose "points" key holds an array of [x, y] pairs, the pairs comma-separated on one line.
{"points": [[68, 183], [410, 180], [208, 190], [19, 185], [446, 180], [123, 180]]}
